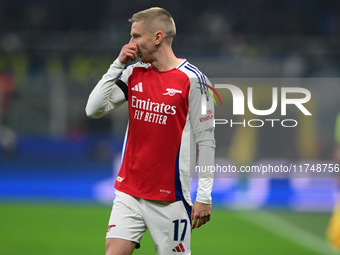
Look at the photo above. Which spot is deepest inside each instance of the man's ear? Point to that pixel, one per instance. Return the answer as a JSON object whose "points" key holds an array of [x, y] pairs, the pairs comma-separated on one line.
{"points": [[159, 37]]}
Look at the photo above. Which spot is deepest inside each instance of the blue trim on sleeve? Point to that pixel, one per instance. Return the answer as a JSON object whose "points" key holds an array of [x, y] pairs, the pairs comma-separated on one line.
{"points": [[178, 185], [182, 64], [200, 77]]}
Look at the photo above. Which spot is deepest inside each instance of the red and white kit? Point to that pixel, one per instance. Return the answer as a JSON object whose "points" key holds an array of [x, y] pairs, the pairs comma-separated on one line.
{"points": [[166, 129]]}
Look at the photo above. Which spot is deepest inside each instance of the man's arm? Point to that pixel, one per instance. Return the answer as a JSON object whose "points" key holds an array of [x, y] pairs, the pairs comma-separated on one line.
{"points": [[201, 210], [203, 128], [107, 95]]}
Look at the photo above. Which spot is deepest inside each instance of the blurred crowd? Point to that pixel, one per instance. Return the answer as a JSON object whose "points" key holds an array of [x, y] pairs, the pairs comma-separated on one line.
{"points": [[292, 17], [294, 29]]}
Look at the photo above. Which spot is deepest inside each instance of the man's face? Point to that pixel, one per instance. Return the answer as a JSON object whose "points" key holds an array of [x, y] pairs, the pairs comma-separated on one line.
{"points": [[144, 40]]}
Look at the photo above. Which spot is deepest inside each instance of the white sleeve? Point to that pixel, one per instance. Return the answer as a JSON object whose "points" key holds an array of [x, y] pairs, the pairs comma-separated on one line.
{"points": [[107, 95], [203, 128], [206, 155]]}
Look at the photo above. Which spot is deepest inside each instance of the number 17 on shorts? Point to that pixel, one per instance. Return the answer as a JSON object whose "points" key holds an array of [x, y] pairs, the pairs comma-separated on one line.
{"points": [[180, 235]]}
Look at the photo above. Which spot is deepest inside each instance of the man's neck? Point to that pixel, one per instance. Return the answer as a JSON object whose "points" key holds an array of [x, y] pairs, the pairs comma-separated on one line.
{"points": [[166, 60]]}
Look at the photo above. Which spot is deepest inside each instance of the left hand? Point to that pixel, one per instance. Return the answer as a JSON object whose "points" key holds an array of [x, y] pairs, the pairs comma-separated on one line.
{"points": [[200, 214]]}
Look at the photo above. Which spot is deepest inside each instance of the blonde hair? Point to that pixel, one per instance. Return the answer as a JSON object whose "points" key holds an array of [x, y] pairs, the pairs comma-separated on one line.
{"points": [[157, 18]]}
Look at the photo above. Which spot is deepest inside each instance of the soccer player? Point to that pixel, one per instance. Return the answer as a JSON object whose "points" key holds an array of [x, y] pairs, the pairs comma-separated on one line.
{"points": [[170, 124]]}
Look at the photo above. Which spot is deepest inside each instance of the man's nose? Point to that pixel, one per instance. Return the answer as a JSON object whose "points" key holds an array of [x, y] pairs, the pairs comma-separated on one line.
{"points": [[134, 42]]}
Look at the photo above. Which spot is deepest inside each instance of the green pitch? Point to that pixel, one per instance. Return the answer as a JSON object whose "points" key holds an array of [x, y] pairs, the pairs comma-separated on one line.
{"points": [[80, 229]]}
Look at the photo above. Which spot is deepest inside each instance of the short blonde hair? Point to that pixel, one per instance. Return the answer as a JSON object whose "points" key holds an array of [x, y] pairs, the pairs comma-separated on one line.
{"points": [[157, 18]]}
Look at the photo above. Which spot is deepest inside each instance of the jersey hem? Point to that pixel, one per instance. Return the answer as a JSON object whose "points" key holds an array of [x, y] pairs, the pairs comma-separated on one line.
{"points": [[147, 197]]}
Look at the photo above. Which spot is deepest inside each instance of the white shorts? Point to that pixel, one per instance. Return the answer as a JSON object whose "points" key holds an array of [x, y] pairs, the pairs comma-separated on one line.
{"points": [[169, 223]]}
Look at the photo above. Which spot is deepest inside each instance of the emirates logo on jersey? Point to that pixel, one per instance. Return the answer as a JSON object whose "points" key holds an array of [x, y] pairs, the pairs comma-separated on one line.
{"points": [[151, 111]]}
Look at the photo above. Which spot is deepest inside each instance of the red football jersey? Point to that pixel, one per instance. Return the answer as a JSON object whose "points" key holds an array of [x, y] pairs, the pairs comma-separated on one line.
{"points": [[166, 121], [158, 113]]}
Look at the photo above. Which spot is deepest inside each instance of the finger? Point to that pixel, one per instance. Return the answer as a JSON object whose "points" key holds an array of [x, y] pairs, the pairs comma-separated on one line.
{"points": [[126, 54], [201, 222], [194, 223], [129, 49], [134, 46], [132, 55], [131, 46]]}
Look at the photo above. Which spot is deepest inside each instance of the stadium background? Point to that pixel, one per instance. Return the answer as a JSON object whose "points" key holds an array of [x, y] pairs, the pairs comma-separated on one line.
{"points": [[57, 166]]}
